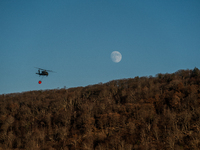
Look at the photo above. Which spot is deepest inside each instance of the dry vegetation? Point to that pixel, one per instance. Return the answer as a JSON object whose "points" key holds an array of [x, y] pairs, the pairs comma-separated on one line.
{"points": [[145, 113]]}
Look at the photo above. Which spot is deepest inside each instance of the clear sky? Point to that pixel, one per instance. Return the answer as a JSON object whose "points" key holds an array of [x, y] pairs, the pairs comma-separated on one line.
{"points": [[75, 38]]}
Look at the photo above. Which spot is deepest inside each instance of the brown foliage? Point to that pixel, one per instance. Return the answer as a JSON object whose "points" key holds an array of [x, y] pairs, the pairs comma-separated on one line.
{"points": [[159, 112]]}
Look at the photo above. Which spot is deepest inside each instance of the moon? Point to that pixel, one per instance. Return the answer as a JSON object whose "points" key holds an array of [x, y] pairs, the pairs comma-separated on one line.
{"points": [[116, 56]]}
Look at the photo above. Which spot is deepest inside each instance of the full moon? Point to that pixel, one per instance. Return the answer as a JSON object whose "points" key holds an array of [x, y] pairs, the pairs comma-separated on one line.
{"points": [[116, 56]]}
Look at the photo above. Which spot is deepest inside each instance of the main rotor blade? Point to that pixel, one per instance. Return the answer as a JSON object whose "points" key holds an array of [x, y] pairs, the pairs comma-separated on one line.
{"points": [[45, 69], [39, 68], [50, 71]]}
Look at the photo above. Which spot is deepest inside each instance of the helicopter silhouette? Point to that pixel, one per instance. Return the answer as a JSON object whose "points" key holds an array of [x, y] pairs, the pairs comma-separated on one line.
{"points": [[44, 72]]}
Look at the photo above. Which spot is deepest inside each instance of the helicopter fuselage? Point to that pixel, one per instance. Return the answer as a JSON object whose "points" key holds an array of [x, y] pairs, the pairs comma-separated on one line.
{"points": [[43, 73]]}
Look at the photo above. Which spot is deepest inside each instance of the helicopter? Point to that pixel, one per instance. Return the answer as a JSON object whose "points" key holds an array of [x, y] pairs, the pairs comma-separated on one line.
{"points": [[44, 72]]}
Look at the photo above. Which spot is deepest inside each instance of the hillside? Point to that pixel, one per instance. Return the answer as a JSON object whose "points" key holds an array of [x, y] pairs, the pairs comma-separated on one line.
{"points": [[161, 112]]}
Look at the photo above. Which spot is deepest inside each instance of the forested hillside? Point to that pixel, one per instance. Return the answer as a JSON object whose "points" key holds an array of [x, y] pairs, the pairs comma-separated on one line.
{"points": [[143, 113]]}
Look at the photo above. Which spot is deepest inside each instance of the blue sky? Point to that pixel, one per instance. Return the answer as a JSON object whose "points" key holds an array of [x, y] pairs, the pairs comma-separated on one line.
{"points": [[75, 38]]}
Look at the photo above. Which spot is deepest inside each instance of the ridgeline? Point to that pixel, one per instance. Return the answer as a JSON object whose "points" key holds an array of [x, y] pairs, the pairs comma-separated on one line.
{"points": [[161, 112]]}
